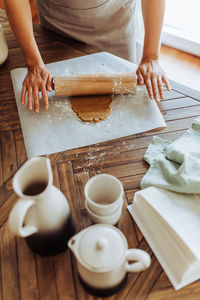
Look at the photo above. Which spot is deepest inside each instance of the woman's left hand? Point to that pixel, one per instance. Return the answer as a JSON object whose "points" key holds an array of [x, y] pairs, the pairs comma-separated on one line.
{"points": [[150, 73]]}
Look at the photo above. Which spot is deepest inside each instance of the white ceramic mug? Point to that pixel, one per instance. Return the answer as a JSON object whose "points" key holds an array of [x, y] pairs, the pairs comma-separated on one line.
{"points": [[111, 219], [104, 198]]}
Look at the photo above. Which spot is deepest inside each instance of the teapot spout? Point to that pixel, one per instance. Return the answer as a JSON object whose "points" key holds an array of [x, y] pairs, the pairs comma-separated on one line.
{"points": [[34, 170], [73, 243]]}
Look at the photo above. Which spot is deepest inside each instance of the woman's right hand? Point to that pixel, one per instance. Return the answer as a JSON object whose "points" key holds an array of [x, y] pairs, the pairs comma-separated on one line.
{"points": [[37, 80]]}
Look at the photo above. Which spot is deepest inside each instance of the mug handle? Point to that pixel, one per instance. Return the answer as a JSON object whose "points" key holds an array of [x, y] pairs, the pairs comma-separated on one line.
{"points": [[17, 216], [141, 257]]}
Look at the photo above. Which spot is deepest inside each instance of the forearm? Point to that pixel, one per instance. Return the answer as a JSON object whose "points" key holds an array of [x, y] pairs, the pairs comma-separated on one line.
{"points": [[20, 19], [153, 16]]}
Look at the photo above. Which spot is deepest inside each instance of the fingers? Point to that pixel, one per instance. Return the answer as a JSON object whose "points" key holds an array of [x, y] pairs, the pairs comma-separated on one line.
{"points": [[160, 87], [166, 82], [34, 94], [23, 94], [149, 86], [45, 98], [155, 89], [30, 104], [49, 84], [150, 73], [140, 79], [38, 79], [36, 100]]}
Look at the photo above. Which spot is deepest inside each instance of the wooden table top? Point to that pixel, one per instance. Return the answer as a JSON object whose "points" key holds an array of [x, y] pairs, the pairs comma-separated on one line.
{"points": [[25, 275]]}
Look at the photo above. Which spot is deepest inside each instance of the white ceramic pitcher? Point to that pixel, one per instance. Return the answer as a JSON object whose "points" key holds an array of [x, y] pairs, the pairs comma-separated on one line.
{"points": [[42, 214], [3, 47]]}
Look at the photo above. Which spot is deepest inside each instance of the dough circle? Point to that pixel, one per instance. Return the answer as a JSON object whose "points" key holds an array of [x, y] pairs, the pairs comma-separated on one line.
{"points": [[92, 108]]}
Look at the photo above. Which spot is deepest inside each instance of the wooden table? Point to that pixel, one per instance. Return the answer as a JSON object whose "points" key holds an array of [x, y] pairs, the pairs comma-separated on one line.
{"points": [[25, 275]]}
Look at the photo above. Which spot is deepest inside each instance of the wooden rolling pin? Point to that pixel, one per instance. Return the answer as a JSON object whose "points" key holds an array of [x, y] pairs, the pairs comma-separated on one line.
{"points": [[95, 84]]}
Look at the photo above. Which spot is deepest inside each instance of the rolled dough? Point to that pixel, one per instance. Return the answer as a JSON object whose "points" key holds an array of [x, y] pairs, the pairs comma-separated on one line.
{"points": [[92, 108]]}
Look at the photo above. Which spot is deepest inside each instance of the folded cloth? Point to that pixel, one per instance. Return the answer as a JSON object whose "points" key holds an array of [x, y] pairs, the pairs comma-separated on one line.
{"points": [[175, 165]]}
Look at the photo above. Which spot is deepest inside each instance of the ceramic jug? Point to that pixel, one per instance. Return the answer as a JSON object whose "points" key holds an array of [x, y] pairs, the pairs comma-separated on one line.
{"points": [[42, 214], [3, 47], [103, 258]]}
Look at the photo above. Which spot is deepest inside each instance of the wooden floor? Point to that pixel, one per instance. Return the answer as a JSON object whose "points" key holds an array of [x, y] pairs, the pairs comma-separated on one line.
{"points": [[179, 66]]}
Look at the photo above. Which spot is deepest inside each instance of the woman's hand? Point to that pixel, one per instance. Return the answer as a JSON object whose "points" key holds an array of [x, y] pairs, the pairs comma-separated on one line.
{"points": [[150, 73], [38, 79]]}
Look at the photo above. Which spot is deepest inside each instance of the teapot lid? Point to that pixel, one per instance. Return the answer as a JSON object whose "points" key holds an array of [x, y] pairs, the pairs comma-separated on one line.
{"points": [[101, 247]]}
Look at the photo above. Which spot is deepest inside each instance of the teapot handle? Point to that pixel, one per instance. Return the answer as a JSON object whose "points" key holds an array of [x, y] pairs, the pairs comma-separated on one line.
{"points": [[17, 216], [141, 257]]}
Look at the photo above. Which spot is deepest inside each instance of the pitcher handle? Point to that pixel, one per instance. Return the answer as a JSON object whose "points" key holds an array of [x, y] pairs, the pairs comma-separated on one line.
{"points": [[17, 216], [142, 260]]}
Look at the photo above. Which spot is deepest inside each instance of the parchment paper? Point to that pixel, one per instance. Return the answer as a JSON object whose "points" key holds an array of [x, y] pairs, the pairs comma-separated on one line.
{"points": [[59, 129]]}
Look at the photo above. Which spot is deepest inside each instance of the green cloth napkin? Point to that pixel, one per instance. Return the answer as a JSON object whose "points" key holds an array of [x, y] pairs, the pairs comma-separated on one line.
{"points": [[175, 165]]}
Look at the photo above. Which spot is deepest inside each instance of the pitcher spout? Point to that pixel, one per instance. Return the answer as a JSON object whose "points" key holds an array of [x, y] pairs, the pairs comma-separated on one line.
{"points": [[36, 172]]}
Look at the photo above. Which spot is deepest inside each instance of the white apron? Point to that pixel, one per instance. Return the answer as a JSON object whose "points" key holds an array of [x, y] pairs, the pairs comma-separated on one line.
{"points": [[110, 25]]}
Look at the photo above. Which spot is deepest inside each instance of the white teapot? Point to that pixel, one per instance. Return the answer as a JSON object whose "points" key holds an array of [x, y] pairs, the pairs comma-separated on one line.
{"points": [[42, 214], [103, 258]]}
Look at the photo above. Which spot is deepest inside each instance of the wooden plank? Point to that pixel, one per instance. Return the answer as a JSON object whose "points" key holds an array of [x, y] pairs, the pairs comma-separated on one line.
{"points": [[143, 286], [18, 134], [8, 154], [6, 106], [175, 125], [68, 188], [1, 165], [67, 185], [46, 278], [105, 160], [138, 232], [178, 103], [1, 283], [130, 193], [9, 265], [164, 290], [120, 159], [6, 207], [6, 191], [55, 176], [125, 144], [186, 112], [185, 90], [80, 181], [86, 156], [126, 226], [131, 182], [6, 84], [172, 95], [124, 170], [90, 151], [20, 153], [9, 121], [27, 272], [64, 276]]}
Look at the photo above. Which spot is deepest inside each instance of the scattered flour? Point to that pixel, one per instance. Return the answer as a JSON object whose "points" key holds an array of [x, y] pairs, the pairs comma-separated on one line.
{"points": [[94, 162]]}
